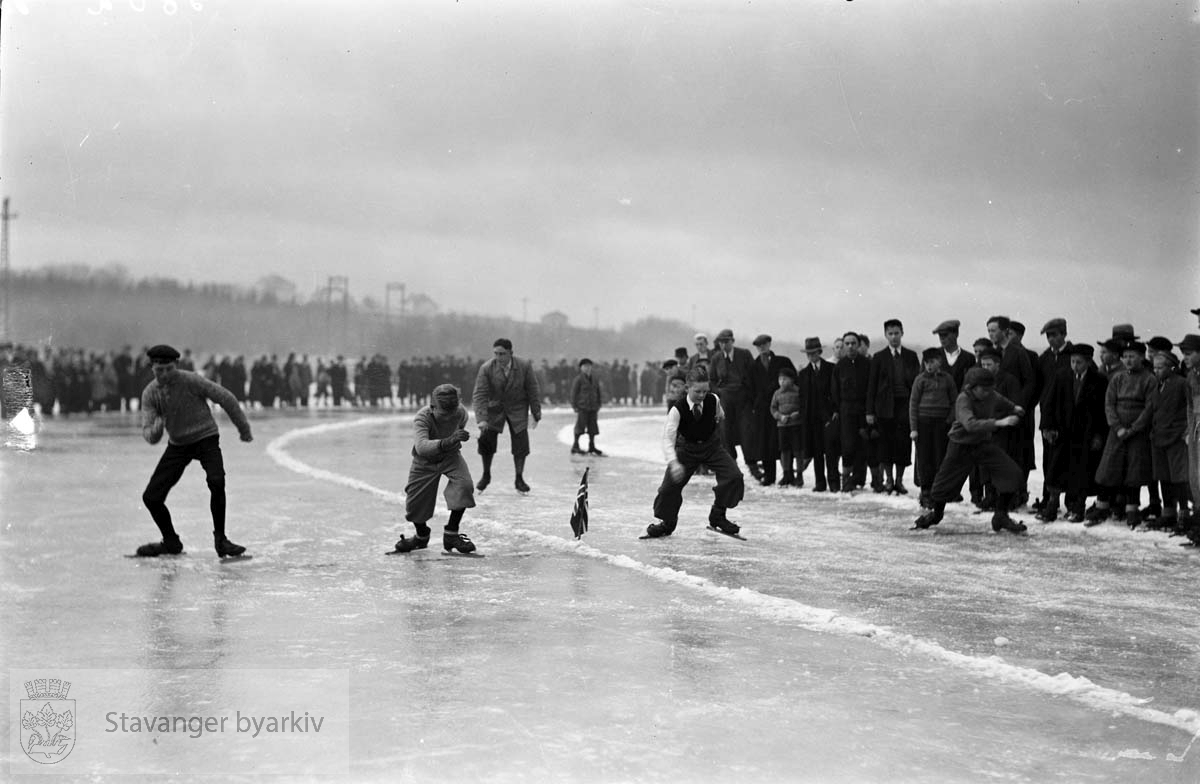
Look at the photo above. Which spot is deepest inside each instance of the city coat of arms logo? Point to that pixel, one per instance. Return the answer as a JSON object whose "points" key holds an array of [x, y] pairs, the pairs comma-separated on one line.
{"points": [[47, 721]]}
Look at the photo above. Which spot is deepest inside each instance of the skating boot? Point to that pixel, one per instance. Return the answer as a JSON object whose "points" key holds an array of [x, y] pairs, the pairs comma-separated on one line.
{"points": [[930, 518], [662, 528], [165, 547], [1002, 522], [226, 548], [719, 521], [453, 540], [408, 544]]}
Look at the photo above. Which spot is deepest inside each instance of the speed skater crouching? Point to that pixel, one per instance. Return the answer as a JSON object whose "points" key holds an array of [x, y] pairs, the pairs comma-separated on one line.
{"points": [[439, 431], [691, 441]]}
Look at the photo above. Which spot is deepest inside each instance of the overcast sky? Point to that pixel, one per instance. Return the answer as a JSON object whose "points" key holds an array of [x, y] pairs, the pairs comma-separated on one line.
{"points": [[800, 167]]}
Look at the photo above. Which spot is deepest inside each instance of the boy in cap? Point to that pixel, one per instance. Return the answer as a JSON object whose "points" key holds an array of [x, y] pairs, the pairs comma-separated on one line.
{"points": [[692, 439], [439, 431], [1168, 448], [956, 362], [979, 412], [177, 402], [1126, 462], [787, 409], [586, 400], [931, 411]]}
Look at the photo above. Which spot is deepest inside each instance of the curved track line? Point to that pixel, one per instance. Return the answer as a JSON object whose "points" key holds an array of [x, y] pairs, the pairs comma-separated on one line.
{"points": [[776, 608]]}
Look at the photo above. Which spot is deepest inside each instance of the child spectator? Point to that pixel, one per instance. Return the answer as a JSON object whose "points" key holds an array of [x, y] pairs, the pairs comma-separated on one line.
{"points": [[586, 400], [787, 409], [931, 410], [1126, 462]]}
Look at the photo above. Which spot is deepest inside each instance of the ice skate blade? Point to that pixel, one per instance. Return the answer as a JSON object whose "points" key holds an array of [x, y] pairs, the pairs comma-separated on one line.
{"points": [[722, 533], [435, 554], [234, 558], [154, 557]]}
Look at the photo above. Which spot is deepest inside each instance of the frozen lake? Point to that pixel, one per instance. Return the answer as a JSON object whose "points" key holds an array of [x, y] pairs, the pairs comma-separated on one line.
{"points": [[834, 645]]}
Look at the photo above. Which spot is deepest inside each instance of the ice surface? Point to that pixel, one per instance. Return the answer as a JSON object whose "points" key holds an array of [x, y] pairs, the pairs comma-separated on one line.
{"points": [[834, 645]]}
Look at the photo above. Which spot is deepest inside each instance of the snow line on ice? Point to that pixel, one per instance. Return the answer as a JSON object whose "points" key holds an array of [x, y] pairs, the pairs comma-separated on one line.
{"points": [[776, 608]]}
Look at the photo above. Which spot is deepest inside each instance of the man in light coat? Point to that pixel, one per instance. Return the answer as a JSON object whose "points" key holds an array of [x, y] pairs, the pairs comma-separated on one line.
{"points": [[506, 391]]}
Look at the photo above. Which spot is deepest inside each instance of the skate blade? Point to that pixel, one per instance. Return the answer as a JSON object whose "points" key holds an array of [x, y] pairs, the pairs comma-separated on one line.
{"points": [[232, 558], [722, 533], [152, 557], [435, 554]]}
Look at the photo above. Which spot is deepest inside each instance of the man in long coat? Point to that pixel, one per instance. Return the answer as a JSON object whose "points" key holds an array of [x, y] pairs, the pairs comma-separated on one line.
{"points": [[506, 392], [732, 373], [766, 381]]}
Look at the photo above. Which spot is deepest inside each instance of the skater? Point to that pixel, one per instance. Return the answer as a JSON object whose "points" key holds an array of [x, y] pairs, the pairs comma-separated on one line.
{"points": [[439, 431], [586, 399], [976, 411], [691, 440], [176, 402], [506, 391]]}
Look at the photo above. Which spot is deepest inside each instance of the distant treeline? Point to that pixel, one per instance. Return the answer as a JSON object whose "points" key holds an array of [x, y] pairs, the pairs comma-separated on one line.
{"points": [[102, 309]]}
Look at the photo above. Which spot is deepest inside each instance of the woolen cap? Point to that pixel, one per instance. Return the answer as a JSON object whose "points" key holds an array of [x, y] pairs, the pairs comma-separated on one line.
{"points": [[812, 344], [162, 353], [1159, 343], [1082, 349], [950, 325], [446, 395], [725, 334], [1189, 343], [978, 377], [1055, 325], [931, 353], [788, 372], [760, 340]]}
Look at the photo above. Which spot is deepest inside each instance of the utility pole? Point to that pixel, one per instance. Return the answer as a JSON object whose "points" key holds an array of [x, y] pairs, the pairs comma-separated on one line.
{"points": [[387, 302], [337, 283], [5, 280]]}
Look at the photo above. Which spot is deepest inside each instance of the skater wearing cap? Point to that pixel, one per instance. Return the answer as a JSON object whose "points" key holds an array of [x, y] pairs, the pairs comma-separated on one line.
{"points": [[506, 392], [691, 440], [586, 399], [177, 402], [439, 431], [979, 412]]}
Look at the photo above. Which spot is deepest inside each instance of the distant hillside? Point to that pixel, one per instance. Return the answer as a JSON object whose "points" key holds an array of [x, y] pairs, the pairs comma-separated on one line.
{"points": [[96, 310]]}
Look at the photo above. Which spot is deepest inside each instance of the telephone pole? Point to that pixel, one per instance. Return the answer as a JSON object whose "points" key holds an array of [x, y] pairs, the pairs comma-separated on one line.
{"points": [[5, 280], [387, 302], [339, 283]]}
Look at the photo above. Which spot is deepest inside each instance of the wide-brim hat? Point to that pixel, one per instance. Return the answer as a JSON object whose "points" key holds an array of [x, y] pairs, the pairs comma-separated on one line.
{"points": [[1189, 343], [812, 344], [1123, 332]]}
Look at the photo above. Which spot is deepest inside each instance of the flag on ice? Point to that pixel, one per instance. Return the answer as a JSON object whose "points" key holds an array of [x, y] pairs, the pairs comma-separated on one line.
{"points": [[579, 515]]}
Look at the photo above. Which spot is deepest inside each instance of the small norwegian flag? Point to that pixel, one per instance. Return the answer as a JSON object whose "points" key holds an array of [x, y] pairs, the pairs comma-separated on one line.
{"points": [[579, 515]]}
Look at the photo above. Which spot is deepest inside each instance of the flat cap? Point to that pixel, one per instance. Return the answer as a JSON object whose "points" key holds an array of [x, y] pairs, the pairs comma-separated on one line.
{"points": [[725, 334], [162, 353], [1055, 325], [949, 325], [760, 340]]}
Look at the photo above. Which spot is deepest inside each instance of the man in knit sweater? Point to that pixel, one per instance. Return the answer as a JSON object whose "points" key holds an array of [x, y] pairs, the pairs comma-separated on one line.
{"points": [[176, 402], [439, 431], [930, 412]]}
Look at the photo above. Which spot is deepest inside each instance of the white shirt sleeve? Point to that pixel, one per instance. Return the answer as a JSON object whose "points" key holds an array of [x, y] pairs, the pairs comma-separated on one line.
{"points": [[720, 411], [669, 432]]}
